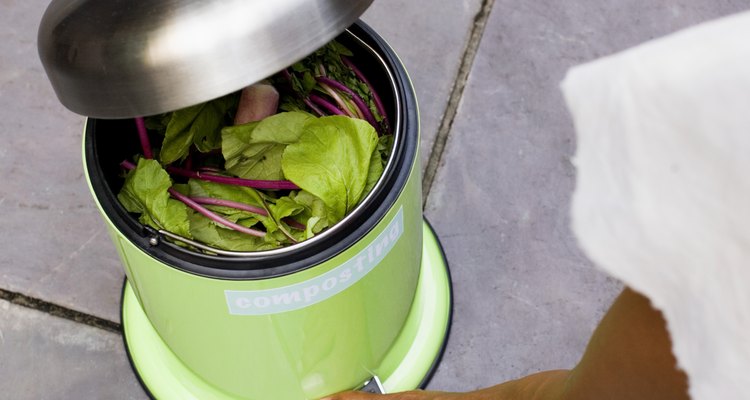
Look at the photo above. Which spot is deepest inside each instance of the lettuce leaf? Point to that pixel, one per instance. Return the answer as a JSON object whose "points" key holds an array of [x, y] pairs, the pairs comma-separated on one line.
{"points": [[331, 160], [145, 192], [240, 194], [305, 208], [254, 150], [198, 125], [208, 232]]}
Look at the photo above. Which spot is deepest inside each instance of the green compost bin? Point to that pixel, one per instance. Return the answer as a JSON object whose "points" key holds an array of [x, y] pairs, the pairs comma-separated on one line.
{"points": [[370, 297]]}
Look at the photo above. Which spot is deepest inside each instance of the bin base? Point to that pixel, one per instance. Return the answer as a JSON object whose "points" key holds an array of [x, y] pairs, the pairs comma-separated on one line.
{"points": [[415, 354]]}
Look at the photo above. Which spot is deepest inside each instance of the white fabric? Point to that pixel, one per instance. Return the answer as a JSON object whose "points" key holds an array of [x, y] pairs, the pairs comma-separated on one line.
{"points": [[662, 200]]}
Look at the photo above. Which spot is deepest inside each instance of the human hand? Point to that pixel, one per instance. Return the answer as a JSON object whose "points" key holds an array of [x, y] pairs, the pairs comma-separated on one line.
{"points": [[411, 395]]}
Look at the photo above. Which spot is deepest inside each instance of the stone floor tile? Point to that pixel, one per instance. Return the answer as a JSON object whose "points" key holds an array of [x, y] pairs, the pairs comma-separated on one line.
{"points": [[56, 247], [44, 357], [430, 39], [526, 298]]}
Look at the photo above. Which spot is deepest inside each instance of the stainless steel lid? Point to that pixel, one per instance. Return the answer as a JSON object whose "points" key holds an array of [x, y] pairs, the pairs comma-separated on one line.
{"points": [[126, 58]]}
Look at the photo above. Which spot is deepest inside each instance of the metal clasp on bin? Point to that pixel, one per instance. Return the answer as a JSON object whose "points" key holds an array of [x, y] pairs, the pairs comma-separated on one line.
{"points": [[373, 386]]}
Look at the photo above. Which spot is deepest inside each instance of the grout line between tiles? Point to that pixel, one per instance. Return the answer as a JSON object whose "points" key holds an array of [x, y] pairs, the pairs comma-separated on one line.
{"points": [[59, 311], [446, 123]]}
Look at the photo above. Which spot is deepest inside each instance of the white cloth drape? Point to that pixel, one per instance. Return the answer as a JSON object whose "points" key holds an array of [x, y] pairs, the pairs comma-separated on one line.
{"points": [[662, 197]]}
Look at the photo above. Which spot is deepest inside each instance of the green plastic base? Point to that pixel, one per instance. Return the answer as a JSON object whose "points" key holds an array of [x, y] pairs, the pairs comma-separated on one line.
{"points": [[408, 366]]}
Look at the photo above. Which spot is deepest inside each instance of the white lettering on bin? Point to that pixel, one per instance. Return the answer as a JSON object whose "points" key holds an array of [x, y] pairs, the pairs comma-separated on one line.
{"points": [[330, 283], [315, 290]]}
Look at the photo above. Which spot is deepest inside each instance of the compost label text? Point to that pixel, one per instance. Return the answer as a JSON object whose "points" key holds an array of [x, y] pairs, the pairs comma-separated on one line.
{"points": [[304, 294]]}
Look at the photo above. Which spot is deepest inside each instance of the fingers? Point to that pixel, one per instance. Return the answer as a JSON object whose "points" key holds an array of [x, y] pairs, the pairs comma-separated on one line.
{"points": [[412, 395], [353, 396]]}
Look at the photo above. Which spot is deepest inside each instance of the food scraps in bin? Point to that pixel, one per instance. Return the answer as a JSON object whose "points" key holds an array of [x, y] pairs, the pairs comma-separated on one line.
{"points": [[235, 175]]}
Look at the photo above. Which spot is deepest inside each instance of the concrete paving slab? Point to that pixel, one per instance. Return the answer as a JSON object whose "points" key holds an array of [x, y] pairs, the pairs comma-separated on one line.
{"points": [[44, 357], [56, 247], [430, 39], [526, 298]]}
